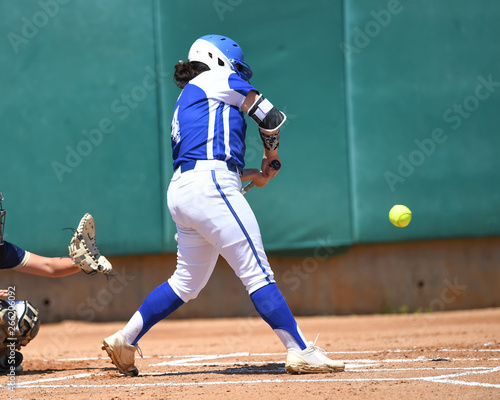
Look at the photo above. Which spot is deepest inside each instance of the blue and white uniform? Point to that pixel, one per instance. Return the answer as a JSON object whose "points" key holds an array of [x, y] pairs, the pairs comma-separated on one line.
{"points": [[213, 218], [207, 123]]}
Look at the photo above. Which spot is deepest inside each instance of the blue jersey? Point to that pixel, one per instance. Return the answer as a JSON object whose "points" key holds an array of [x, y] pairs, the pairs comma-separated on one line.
{"points": [[207, 123], [10, 255]]}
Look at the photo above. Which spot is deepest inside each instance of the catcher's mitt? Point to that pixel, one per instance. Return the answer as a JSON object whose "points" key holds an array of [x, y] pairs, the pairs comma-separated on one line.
{"points": [[83, 249]]}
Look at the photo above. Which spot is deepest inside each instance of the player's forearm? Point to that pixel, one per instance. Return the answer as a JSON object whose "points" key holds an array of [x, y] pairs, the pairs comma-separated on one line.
{"points": [[60, 267], [270, 154], [52, 267]]}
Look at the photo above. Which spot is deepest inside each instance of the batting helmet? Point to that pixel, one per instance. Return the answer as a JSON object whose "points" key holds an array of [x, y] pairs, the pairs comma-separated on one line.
{"points": [[220, 51]]}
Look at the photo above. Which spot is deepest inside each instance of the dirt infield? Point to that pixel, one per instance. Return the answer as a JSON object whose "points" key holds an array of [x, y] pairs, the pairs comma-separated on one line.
{"points": [[440, 355]]}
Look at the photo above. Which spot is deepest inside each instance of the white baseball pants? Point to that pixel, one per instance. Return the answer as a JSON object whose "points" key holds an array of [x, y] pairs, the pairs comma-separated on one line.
{"points": [[213, 218]]}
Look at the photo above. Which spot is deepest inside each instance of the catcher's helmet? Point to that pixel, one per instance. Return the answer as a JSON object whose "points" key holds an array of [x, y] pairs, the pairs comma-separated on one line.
{"points": [[218, 51]]}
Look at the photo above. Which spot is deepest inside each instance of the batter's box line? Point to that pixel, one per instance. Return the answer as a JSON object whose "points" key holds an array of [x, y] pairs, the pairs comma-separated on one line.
{"points": [[246, 369], [421, 369], [247, 354], [213, 383], [262, 381], [353, 363], [438, 379], [446, 378], [61, 378]]}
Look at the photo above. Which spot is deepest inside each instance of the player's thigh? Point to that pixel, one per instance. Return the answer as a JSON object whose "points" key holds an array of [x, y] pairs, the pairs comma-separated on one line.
{"points": [[196, 259], [242, 245], [249, 262]]}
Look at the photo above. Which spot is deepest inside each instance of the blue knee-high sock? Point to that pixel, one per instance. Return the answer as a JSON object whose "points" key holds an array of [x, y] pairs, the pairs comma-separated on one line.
{"points": [[161, 302], [272, 307]]}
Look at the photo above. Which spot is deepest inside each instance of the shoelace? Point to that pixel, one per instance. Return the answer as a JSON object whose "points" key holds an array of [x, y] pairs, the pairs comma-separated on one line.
{"points": [[315, 340], [139, 351], [317, 347]]}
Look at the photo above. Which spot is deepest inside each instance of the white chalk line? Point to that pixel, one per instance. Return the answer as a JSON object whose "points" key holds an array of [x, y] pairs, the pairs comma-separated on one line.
{"points": [[439, 379], [355, 364], [187, 362], [203, 356], [467, 383], [255, 381], [445, 378], [348, 369], [61, 378]]}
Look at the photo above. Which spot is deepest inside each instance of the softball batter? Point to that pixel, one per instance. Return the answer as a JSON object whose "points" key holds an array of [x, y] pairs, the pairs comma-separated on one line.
{"points": [[213, 218]]}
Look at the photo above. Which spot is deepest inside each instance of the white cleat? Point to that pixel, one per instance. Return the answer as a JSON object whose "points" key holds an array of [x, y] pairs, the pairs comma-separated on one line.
{"points": [[311, 360], [121, 353]]}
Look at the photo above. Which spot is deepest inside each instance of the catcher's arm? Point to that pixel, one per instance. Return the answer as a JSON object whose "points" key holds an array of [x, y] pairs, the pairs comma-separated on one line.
{"points": [[83, 249], [52, 267]]}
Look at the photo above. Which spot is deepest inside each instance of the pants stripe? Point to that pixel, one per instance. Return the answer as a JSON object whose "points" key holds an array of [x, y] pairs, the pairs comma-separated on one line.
{"points": [[254, 251]]}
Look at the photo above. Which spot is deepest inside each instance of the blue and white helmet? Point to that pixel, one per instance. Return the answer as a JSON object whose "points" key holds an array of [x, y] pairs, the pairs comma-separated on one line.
{"points": [[220, 52]]}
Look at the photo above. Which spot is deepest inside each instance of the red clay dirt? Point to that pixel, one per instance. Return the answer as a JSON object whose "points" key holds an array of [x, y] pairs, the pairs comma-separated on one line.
{"points": [[444, 355]]}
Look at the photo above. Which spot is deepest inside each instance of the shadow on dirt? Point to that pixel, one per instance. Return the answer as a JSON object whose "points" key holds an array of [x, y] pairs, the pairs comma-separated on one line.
{"points": [[246, 369]]}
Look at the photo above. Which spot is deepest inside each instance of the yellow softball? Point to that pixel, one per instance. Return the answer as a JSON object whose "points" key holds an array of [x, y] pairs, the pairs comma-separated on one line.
{"points": [[400, 215]]}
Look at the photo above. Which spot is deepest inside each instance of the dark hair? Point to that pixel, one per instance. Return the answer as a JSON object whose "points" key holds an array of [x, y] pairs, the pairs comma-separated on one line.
{"points": [[185, 71]]}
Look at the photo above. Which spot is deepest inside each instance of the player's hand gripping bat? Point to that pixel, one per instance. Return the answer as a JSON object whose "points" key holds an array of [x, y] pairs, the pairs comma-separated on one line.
{"points": [[275, 164]]}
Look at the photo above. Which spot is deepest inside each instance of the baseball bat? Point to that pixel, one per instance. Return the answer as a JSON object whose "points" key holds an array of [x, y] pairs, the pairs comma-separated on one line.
{"points": [[275, 164]]}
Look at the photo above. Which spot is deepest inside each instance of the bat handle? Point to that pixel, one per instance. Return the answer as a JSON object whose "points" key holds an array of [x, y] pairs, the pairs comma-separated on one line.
{"points": [[275, 164]]}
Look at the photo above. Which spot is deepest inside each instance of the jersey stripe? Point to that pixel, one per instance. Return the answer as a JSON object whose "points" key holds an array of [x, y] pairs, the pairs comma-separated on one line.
{"points": [[225, 116], [211, 128], [209, 123]]}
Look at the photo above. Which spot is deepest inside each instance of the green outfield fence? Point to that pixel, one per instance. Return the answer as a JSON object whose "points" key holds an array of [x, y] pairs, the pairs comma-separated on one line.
{"points": [[388, 102]]}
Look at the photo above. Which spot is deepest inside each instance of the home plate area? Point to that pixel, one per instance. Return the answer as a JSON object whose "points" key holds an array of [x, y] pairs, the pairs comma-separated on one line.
{"points": [[198, 365]]}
